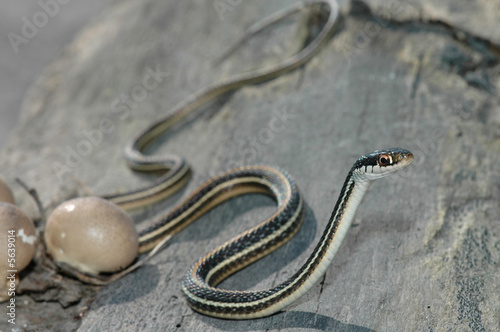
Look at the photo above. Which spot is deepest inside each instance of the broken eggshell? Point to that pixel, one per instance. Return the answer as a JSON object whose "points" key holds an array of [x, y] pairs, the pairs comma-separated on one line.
{"points": [[6, 193], [18, 246]]}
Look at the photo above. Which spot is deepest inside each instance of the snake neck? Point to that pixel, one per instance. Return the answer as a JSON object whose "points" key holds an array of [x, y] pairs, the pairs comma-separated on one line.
{"points": [[353, 191]]}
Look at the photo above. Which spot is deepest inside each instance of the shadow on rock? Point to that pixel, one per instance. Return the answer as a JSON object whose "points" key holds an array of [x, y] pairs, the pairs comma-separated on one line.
{"points": [[120, 291], [287, 320]]}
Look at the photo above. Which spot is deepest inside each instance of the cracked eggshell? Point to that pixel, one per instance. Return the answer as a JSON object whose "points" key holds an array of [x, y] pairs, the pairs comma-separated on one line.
{"points": [[92, 235], [6, 193], [15, 221]]}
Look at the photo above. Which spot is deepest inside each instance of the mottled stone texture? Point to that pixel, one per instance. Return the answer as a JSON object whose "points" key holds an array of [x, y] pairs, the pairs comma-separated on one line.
{"points": [[424, 251]]}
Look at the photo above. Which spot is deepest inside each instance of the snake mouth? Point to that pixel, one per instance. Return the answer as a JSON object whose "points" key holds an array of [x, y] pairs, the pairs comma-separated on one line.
{"points": [[400, 159], [404, 159], [409, 158]]}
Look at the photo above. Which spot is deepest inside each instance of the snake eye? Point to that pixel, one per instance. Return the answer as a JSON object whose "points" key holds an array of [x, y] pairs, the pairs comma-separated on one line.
{"points": [[384, 160]]}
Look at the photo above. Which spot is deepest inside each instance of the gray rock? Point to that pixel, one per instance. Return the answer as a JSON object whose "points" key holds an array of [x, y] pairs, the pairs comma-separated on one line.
{"points": [[476, 18], [424, 251]]}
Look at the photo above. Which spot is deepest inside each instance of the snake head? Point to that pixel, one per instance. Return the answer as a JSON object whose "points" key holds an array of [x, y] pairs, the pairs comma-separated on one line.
{"points": [[381, 163]]}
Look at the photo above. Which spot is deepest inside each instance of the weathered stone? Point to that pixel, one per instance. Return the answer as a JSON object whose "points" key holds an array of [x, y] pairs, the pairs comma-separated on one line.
{"points": [[481, 19]]}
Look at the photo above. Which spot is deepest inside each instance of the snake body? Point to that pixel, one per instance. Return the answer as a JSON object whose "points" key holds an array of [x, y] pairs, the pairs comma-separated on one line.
{"points": [[200, 281], [175, 167]]}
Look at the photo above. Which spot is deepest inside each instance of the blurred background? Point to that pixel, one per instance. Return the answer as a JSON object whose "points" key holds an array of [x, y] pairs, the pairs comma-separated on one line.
{"points": [[25, 52]]}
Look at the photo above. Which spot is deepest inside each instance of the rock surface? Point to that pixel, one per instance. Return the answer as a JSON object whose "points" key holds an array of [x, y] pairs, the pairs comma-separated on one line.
{"points": [[424, 251]]}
